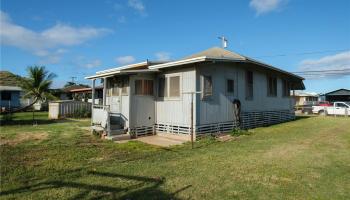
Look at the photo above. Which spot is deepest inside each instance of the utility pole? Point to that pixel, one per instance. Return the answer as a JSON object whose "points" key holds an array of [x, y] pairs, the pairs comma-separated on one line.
{"points": [[192, 108], [73, 78]]}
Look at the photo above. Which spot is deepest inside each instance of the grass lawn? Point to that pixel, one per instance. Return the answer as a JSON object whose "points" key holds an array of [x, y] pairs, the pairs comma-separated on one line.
{"points": [[305, 159]]}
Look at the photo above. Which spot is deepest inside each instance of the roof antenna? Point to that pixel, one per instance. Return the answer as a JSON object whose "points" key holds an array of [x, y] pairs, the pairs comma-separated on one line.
{"points": [[223, 41]]}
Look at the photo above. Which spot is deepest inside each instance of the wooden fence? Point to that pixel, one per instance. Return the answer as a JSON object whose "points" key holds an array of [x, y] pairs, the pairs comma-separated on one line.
{"points": [[68, 108]]}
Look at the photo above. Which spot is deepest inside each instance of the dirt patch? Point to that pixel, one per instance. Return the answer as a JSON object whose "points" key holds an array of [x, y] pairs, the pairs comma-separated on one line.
{"points": [[23, 137]]}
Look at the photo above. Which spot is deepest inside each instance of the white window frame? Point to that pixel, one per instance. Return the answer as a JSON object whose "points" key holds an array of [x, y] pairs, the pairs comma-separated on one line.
{"points": [[142, 87], [206, 97], [166, 96]]}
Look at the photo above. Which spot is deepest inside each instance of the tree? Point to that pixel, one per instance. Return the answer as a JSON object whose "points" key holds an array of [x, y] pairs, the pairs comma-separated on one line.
{"points": [[69, 83], [37, 85]]}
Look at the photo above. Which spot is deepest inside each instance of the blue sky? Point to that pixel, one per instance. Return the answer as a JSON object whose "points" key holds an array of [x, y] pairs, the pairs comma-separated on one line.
{"points": [[78, 37]]}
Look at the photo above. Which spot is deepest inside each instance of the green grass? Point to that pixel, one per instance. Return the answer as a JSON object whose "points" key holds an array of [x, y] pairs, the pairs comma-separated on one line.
{"points": [[305, 159]]}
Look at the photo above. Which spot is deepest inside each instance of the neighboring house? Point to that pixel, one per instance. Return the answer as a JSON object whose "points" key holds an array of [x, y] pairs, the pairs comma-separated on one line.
{"points": [[84, 94], [66, 92], [194, 93], [305, 98], [337, 95], [11, 92]]}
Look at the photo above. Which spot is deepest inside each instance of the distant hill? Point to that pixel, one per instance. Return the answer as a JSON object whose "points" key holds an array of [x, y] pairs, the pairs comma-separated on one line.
{"points": [[9, 79]]}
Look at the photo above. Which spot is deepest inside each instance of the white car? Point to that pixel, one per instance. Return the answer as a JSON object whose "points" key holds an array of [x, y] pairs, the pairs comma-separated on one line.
{"points": [[338, 108]]}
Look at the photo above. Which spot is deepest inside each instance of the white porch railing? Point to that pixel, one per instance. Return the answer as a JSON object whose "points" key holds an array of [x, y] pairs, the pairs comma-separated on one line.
{"points": [[100, 115]]}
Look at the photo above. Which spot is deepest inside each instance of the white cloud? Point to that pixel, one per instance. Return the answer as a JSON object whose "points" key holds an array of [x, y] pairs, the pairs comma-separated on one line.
{"points": [[265, 6], [138, 6], [123, 60], [340, 61], [40, 43], [50, 57], [82, 61], [93, 63], [163, 56]]}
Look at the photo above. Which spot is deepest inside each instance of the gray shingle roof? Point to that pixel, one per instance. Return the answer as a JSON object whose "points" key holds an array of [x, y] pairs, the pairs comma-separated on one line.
{"points": [[217, 52]]}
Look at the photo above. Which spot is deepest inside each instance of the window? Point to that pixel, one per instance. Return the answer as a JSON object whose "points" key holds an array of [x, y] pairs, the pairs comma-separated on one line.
{"points": [[115, 89], [138, 87], [342, 105], [124, 85], [249, 85], [271, 86], [162, 87], [207, 86], [144, 87], [147, 87], [169, 86], [285, 88], [230, 85], [174, 86], [6, 95]]}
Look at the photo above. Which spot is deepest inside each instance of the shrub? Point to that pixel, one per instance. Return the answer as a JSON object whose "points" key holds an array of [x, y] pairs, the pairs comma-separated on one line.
{"points": [[80, 113], [238, 132]]}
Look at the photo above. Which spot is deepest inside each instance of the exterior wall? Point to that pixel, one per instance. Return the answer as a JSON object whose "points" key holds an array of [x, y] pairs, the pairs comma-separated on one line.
{"points": [[219, 107], [119, 106], [142, 107], [177, 111]]}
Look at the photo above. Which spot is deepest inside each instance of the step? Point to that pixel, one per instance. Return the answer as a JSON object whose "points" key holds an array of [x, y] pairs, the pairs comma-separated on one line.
{"points": [[118, 137]]}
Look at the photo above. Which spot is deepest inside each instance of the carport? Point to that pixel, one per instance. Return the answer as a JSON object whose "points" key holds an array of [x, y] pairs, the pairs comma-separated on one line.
{"points": [[338, 95]]}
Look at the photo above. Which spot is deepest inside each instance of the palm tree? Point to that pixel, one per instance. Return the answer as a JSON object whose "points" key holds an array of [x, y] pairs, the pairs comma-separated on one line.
{"points": [[37, 85]]}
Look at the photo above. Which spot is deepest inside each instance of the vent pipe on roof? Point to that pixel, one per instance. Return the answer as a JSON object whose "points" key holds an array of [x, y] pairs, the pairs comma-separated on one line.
{"points": [[223, 41]]}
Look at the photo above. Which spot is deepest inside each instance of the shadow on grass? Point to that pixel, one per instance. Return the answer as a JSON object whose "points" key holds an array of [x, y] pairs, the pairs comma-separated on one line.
{"points": [[15, 122], [299, 117], [145, 188]]}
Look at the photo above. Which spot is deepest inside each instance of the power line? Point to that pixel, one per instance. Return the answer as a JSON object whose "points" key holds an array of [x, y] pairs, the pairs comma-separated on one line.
{"points": [[303, 53], [323, 71]]}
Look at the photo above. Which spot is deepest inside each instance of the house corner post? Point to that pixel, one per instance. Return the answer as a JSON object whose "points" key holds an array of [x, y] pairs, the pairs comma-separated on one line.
{"points": [[104, 91], [92, 100]]}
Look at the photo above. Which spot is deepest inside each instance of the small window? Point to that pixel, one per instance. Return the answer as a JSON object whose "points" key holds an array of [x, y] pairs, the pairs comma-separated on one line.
{"points": [[138, 87], [6, 95], [143, 87], [124, 85], [147, 87], [341, 105], [272, 86], [230, 86], [174, 86], [162, 87], [207, 86], [249, 85], [285, 88]]}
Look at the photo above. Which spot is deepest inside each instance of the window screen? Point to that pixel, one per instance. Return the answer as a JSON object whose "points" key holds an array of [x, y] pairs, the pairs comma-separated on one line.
{"points": [[115, 89], [147, 87], [162, 87], [249, 85], [124, 85], [174, 90], [230, 86], [138, 87], [272, 86], [207, 86]]}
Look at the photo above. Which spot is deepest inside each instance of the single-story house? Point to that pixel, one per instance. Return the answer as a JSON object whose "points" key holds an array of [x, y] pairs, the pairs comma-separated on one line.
{"points": [[212, 91], [305, 98], [84, 94], [338, 95], [10, 91]]}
